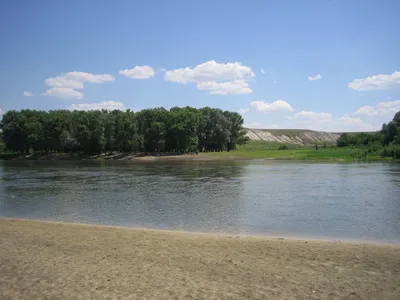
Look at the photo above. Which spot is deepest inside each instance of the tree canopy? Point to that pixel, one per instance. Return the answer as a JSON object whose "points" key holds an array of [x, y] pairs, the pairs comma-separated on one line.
{"points": [[179, 130]]}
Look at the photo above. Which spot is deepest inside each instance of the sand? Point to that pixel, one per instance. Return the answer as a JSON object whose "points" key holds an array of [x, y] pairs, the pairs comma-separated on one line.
{"points": [[45, 260]]}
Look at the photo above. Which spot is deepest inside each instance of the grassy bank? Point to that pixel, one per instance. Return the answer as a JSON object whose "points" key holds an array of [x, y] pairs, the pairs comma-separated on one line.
{"points": [[269, 150], [43, 260], [249, 151]]}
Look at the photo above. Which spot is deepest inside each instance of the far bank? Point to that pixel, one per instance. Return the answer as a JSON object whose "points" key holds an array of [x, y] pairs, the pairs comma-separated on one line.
{"points": [[332, 154]]}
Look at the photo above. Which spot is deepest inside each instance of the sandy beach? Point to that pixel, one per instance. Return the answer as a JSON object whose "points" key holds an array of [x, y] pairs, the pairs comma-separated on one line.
{"points": [[46, 260]]}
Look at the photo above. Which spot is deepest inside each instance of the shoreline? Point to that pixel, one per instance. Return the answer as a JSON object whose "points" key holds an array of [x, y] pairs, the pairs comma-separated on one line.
{"points": [[201, 157], [56, 260], [349, 241]]}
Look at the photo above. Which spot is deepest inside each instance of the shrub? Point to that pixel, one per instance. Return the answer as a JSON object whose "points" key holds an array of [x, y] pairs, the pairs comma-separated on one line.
{"points": [[391, 151]]}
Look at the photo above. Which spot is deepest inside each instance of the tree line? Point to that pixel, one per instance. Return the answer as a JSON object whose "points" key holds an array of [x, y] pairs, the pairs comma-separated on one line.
{"points": [[386, 141], [178, 130]]}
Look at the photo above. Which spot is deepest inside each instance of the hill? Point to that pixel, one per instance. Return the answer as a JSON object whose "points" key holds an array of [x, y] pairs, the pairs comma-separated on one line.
{"points": [[292, 136]]}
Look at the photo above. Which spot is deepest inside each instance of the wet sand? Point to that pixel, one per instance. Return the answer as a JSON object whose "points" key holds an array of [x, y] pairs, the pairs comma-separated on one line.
{"points": [[47, 260]]}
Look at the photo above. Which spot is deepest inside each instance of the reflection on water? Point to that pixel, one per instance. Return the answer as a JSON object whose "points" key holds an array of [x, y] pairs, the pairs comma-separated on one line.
{"points": [[356, 201]]}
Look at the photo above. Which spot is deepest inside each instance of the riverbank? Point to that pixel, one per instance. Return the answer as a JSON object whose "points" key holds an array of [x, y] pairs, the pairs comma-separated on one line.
{"points": [[323, 155], [60, 260]]}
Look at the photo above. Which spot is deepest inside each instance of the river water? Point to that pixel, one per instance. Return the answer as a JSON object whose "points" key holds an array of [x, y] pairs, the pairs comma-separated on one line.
{"points": [[317, 200]]}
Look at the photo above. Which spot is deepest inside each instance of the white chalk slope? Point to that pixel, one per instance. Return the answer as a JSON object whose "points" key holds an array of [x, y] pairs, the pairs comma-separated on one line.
{"points": [[292, 136]]}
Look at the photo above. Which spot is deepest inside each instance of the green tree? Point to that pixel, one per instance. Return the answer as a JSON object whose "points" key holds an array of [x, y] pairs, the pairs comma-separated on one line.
{"points": [[151, 130]]}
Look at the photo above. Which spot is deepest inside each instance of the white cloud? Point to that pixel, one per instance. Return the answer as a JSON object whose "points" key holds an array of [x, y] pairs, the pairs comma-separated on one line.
{"points": [[65, 85], [347, 123], [316, 77], [312, 116], [366, 110], [28, 94], [254, 125], [225, 88], [138, 72], [64, 93], [209, 71], [278, 105], [326, 122], [383, 108], [64, 82], [262, 71], [243, 110], [218, 78], [1, 112], [76, 80], [88, 77], [352, 121], [376, 82], [108, 105]]}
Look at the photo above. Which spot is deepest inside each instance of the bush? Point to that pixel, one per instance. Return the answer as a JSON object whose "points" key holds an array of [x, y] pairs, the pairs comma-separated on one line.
{"points": [[359, 154], [283, 147], [391, 151]]}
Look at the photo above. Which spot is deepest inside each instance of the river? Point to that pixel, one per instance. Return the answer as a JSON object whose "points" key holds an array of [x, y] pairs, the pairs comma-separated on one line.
{"points": [[305, 200]]}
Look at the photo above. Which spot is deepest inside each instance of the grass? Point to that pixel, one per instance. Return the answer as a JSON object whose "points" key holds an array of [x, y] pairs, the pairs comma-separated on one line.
{"points": [[269, 150]]}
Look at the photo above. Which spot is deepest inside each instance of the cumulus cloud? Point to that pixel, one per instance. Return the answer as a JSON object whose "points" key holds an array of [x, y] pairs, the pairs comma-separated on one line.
{"points": [[108, 105], [383, 108], [28, 94], [262, 71], [64, 82], [76, 80], [326, 122], [376, 82], [348, 123], [224, 88], [243, 110], [65, 85], [355, 122], [312, 116], [63, 93], [138, 72], [88, 77], [278, 105], [218, 78], [209, 71], [316, 77]]}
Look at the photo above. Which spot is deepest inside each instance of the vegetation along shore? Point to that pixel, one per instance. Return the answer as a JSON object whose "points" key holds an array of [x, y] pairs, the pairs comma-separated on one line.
{"points": [[180, 133]]}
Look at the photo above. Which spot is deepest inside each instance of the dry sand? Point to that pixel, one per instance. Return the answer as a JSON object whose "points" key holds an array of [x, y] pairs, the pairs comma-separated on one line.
{"points": [[44, 260]]}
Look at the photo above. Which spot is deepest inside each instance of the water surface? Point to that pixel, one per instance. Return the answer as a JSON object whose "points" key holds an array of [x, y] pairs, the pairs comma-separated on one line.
{"points": [[334, 201]]}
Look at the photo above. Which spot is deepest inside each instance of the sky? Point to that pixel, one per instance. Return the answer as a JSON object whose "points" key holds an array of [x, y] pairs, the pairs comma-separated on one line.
{"points": [[331, 65]]}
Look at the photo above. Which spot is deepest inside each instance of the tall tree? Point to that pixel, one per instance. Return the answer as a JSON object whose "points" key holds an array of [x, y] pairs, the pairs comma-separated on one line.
{"points": [[180, 129]]}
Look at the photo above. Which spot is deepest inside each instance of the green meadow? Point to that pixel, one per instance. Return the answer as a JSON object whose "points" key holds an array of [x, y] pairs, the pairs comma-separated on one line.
{"points": [[270, 150]]}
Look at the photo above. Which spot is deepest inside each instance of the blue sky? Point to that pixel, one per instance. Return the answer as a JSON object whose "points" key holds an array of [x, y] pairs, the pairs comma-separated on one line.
{"points": [[320, 64]]}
